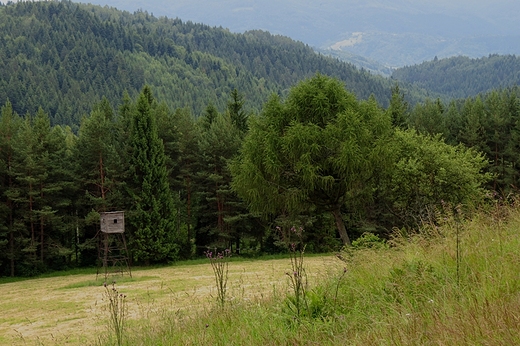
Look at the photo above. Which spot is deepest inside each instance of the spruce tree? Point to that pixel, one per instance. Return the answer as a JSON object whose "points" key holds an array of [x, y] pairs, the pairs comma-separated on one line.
{"points": [[155, 235], [398, 108], [235, 107]]}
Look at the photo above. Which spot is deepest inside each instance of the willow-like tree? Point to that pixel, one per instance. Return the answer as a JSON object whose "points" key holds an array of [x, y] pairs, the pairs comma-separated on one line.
{"points": [[318, 150], [154, 215]]}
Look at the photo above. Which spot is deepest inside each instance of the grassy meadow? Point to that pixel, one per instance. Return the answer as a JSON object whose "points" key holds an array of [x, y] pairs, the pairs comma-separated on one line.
{"points": [[71, 308], [454, 283]]}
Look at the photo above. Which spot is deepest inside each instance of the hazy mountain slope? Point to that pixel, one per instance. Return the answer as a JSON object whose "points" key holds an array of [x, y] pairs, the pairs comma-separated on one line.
{"points": [[461, 77], [396, 33]]}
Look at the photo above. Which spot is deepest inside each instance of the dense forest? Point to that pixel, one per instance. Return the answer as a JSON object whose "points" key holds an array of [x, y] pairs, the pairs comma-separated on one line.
{"points": [[61, 55], [314, 155], [461, 77], [320, 158], [488, 122]]}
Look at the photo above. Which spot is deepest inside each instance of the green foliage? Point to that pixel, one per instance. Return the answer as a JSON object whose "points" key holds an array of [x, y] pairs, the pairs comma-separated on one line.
{"points": [[315, 151], [427, 172], [315, 154], [225, 217], [97, 158], [488, 123], [398, 108], [236, 112], [369, 241]]}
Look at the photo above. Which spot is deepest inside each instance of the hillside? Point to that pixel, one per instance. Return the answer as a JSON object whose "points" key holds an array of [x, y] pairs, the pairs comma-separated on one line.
{"points": [[64, 57], [396, 33], [462, 77]]}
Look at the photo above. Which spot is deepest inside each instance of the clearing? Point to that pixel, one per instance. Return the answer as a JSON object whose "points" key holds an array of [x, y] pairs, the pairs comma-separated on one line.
{"points": [[72, 309]]}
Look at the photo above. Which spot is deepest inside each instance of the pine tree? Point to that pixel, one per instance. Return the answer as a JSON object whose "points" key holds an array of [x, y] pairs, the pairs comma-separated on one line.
{"points": [[219, 144], [97, 158], [186, 156], [9, 230], [99, 173]]}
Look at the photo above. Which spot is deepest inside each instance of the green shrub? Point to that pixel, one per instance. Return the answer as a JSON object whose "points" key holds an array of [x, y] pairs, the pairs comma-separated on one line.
{"points": [[369, 241]]}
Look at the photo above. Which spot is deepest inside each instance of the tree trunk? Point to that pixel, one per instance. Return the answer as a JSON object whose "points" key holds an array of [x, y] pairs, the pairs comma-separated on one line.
{"points": [[102, 179], [33, 236], [340, 224], [188, 205], [41, 227], [41, 238], [11, 243]]}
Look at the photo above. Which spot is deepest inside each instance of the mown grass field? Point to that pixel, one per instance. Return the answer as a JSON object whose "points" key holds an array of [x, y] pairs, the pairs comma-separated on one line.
{"points": [[456, 282], [71, 309]]}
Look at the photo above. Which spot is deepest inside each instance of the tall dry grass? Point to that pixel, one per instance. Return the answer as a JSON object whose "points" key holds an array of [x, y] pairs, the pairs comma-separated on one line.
{"points": [[455, 282]]}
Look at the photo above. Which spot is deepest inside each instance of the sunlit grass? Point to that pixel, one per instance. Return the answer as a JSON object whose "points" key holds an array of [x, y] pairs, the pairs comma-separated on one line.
{"points": [[69, 308]]}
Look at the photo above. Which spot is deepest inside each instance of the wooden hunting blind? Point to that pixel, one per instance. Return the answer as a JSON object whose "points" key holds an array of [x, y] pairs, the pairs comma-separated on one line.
{"points": [[113, 222], [113, 253]]}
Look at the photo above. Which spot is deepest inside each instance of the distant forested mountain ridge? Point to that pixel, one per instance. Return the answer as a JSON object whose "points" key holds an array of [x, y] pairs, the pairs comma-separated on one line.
{"points": [[64, 57], [394, 33], [462, 77]]}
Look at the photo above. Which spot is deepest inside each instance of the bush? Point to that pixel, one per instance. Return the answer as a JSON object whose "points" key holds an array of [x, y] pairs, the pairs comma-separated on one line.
{"points": [[369, 241]]}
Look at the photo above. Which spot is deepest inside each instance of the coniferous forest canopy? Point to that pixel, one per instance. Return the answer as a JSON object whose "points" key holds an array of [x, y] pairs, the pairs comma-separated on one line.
{"points": [[211, 139], [65, 55]]}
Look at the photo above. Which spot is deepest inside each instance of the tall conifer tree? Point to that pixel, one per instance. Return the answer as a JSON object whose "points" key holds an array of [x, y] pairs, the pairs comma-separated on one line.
{"points": [[153, 217], [9, 126]]}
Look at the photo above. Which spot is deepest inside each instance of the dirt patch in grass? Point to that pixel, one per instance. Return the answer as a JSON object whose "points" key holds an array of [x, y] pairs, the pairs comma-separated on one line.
{"points": [[71, 310]]}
